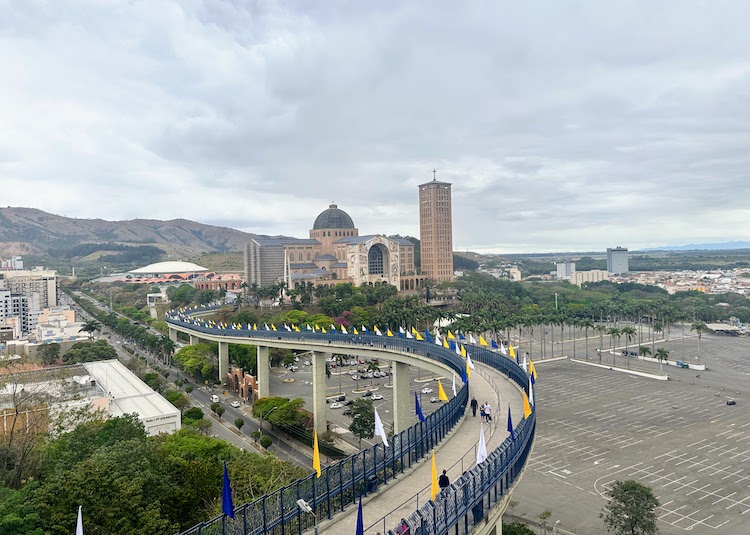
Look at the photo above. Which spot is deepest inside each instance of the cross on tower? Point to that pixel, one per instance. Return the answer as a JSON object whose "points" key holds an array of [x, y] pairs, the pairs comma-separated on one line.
{"points": [[434, 174]]}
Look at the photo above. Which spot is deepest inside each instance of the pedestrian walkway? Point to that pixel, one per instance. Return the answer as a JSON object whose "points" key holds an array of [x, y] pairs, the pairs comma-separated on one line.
{"points": [[399, 498]]}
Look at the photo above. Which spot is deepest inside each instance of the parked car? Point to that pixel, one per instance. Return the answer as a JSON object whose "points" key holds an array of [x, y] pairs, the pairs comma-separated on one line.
{"points": [[347, 412], [341, 397], [307, 363], [294, 368], [296, 359], [376, 397], [235, 404], [731, 402], [427, 390], [370, 375], [349, 402], [355, 378], [336, 405], [376, 374], [433, 399], [367, 394]]}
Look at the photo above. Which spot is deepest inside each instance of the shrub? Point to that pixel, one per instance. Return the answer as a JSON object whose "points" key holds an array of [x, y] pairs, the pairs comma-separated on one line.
{"points": [[266, 441]]}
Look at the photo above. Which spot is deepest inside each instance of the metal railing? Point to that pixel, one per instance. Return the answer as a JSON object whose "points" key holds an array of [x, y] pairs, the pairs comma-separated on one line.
{"points": [[342, 483]]}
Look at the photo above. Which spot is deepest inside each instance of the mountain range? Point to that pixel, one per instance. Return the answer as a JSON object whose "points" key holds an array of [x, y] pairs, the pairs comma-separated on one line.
{"points": [[35, 232], [718, 246]]}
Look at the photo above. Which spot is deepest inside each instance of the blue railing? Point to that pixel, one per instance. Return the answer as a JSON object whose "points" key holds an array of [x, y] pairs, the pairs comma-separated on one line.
{"points": [[341, 484]]}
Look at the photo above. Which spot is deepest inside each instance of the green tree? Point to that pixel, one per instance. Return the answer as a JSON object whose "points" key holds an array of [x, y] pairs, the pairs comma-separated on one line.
{"points": [[91, 327], [90, 352], [517, 528], [266, 441], [193, 413], [198, 360], [699, 328], [17, 516], [239, 422], [178, 399], [363, 419], [629, 333], [662, 354], [631, 509], [49, 353]]}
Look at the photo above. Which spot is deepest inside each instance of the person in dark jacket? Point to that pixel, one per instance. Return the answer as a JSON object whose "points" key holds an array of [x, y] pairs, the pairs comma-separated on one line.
{"points": [[474, 406], [443, 481]]}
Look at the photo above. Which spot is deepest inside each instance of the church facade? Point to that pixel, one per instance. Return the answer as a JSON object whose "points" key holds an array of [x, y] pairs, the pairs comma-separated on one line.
{"points": [[333, 253]]}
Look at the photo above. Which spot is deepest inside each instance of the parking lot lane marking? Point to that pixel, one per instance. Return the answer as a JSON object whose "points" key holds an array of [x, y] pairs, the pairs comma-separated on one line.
{"points": [[686, 460], [709, 466], [675, 481], [700, 489], [724, 498], [741, 502]]}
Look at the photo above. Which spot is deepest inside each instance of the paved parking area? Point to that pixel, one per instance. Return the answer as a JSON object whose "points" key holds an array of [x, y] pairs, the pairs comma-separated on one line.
{"points": [[678, 437]]}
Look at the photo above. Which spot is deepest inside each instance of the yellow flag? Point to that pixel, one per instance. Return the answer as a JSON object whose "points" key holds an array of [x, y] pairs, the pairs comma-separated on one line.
{"points": [[296, 329], [316, 453], [468, 370], [445, 343], [435, 489], [512, 351], [418, 336], [482, 341], [388, 332], [413, 330], [355, 331], [450, 336], [323, 330], [273, 327], [463, 351], [442, 396], [526, 406], [255, 326], [317, 328], [532, 370]]}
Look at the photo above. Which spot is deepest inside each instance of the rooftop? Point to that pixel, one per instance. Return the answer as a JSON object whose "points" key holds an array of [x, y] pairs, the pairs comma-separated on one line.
{"points": [[169, 267]]}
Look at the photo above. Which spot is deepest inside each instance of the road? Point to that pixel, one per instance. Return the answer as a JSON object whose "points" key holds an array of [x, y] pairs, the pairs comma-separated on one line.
{"points": [[201, 397]]}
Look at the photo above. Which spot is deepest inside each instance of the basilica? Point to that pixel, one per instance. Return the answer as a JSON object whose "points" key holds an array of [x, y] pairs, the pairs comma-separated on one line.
{"points": [[333, 253]]}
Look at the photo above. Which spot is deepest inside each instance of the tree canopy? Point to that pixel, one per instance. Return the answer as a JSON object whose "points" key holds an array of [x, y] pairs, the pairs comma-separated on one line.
{"points": [[631, 509]]}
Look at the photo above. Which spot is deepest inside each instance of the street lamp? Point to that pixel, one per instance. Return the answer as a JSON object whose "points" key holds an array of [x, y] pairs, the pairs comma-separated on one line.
{"points": [[262, 415]]}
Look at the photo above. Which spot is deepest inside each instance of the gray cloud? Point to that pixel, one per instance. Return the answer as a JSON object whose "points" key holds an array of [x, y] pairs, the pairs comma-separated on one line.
{"points": [[576, 125]]}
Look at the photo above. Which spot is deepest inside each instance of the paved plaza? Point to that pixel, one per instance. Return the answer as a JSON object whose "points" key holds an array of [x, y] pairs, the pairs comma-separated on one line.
{"points": [[679, 437]]}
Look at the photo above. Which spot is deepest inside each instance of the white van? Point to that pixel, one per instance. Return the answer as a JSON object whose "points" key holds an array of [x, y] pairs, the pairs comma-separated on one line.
{"points": [[214, 399]]}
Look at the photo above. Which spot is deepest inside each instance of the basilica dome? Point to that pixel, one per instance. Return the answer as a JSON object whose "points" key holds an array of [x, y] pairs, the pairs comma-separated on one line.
{"points": [[333, 218]]}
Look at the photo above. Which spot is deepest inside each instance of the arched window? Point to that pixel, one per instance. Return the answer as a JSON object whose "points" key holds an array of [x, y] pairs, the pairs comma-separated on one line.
{"points": [[291, 257], [309, 256], [375, 261], [299, 257]]}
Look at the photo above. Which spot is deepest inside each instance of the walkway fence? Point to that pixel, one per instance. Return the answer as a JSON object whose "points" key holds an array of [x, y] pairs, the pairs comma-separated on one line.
{"points": [[341, 484]]}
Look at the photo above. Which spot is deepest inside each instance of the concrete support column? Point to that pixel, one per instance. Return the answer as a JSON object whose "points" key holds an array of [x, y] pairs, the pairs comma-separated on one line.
{"points": [[262, 366], [319, 390], [223, 361], [401, 398], [194, 340], [173, 334]]}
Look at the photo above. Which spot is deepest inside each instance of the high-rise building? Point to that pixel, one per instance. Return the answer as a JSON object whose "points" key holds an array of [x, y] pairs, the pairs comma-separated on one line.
{"points": [[38, 285], [436, 230], [617, 261], [565, 269]]}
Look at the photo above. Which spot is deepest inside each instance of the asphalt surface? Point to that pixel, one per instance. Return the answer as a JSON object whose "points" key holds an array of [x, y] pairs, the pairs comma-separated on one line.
{"points": [[679, 437]]}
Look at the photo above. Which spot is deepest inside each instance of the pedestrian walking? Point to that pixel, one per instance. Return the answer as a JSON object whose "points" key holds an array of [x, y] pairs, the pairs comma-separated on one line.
{"points": [[488, 412], [443, 481], [474, 405], [481, 413]]}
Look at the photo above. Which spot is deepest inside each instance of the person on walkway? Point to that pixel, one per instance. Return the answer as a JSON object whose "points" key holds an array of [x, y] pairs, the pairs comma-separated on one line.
{"points": [[474, 406], [488, 411], [481, 412], [443, 481]]}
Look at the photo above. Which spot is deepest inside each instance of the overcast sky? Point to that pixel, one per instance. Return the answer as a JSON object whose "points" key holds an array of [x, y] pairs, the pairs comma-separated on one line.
{"points": [[574, 125]]}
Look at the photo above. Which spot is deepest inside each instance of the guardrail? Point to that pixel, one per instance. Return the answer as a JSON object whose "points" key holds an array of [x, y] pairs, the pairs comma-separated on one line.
{"points": [[343, 482]]}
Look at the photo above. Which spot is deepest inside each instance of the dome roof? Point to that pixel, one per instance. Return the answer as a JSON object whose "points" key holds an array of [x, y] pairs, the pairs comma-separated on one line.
{"points": [[169, 267], [333, 218]]}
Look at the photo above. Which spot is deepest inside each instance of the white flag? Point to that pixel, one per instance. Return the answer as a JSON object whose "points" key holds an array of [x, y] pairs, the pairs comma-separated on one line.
{"points": [[401, 330], [377, 331], [409, 335], [481, 447], [469, 362], [437, 340], [343, 330], [458, 350], [79, 524], [525, 364], [454, 386], [503, 350], [531, 391], [472, 340], [379, 431]]}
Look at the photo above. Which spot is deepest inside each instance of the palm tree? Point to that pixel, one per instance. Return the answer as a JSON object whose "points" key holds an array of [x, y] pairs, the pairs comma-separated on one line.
{"points": [[699, 327], [601, 329], [656, 328], [629, 332], [662, 355], [643, 351], [91, 327], [614, 332], [586, 324]]}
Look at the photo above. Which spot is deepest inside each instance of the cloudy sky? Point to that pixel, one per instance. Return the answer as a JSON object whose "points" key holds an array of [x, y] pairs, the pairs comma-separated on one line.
{"points": [[575, 125]]}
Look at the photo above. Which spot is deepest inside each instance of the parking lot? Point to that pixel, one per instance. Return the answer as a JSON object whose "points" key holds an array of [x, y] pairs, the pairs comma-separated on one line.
{"points": [[341, 382], [679, 437]]}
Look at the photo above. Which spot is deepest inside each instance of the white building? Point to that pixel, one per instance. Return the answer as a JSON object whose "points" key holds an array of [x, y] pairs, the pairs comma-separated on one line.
{"points": [[617, 261], [595, 275], [38, 285], [565, 269]]}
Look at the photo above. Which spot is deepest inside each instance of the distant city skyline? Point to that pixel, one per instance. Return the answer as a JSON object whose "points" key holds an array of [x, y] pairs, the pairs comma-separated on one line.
{"points": [[560, 126]]}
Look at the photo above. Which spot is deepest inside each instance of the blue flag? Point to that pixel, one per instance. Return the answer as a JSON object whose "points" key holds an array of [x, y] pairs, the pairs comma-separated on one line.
{"points": [[461, 336], [494, 344], [427, 336], [419, 409], [510, 426], [464, 378], [452, 345], [360, 521], [227, 507]]}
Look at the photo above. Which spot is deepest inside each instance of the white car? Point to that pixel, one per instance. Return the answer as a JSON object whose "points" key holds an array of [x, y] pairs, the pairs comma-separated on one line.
{"points": [[377, 397], [336, 405], [433, 399], [376, 374], [235, 404], [307, 363], [427, 390]]}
